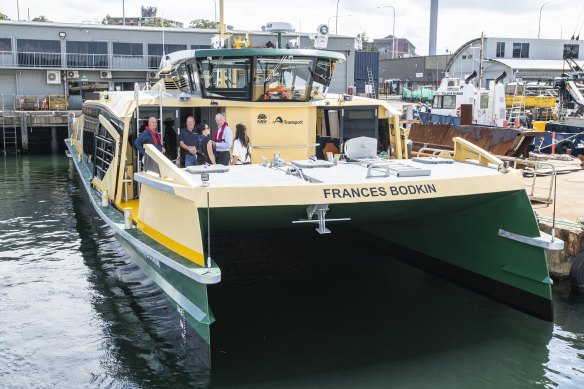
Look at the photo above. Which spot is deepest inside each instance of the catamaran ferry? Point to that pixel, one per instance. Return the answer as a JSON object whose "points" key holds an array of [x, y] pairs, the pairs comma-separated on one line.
{"points": [[464, 213]]}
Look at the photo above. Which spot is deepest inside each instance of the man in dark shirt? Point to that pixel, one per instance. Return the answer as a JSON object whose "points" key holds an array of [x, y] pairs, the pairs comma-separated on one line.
{"points": [[188, 140], [149, 135]]}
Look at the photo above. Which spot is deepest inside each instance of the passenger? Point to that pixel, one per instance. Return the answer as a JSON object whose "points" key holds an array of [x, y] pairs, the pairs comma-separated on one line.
{"points": [[205, 149], [241, 146], [188, 140], [223, 139], [150, 135], [170, 138]]}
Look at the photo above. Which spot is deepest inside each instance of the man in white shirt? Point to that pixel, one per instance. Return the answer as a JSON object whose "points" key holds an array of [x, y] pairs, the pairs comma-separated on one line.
{"points": [[223, 138]]}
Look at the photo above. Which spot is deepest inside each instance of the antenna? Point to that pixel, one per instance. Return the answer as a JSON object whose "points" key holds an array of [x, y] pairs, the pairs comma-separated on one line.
{"points": [[162, 23]]}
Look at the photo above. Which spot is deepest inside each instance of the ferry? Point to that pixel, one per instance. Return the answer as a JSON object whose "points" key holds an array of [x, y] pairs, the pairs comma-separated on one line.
{"points": [[463, 214]]}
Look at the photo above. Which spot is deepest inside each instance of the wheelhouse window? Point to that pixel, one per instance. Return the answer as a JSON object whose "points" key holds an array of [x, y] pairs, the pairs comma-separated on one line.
{"points": [[520, 50], [444, 102], [500, 50], [284, 78], [484, 102], [571, 51], [322, 77], [227, 78]]}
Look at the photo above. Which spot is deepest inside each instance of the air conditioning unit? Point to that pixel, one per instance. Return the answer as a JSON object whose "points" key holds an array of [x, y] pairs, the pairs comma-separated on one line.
{"points": [[153, 75], [105, 74], [53, 76], [72, 74]]}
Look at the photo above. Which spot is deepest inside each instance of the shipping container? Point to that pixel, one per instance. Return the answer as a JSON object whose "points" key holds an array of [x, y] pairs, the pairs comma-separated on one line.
{"points": [[365, 60]]}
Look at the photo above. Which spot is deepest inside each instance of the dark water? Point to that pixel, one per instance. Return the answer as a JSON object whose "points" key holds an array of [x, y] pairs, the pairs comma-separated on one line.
{"points": [[293, 310]]}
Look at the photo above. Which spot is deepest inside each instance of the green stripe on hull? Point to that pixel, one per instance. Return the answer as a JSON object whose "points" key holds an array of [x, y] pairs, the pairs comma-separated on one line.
{"points": [[189, 297]]}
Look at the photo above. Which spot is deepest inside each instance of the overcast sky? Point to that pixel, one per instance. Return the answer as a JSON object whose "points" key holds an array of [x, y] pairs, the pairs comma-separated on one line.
{"points": [[458, 20]]}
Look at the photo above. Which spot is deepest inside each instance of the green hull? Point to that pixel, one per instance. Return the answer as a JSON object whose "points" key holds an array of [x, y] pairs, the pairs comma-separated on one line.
{"points": [[456, 237]]}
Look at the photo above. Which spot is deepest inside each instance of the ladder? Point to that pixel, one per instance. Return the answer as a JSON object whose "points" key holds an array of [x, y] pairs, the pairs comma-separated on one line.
{"points": [[9, 134], [517, 110], [371, 82], [9, 138]]}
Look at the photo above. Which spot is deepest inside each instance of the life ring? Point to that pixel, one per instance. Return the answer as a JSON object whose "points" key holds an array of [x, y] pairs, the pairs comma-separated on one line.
{"points": [[458, 111], [277, 93]]}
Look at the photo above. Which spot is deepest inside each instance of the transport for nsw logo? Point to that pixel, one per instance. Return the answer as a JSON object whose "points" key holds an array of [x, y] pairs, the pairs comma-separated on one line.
{"points": [[262, 118], [280, 120]]}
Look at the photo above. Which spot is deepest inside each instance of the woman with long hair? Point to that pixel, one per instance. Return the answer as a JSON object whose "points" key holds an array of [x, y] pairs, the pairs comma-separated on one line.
{"points": [[241, 146], [205, 145]]}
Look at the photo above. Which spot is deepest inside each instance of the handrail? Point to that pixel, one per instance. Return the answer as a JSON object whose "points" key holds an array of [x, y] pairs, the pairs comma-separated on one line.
{"points": [[68, 60], [464, 150]]}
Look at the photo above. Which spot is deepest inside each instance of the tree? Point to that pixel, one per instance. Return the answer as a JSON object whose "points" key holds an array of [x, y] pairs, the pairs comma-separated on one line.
{"points": [[362, 43], [41, 18], [3, 17], [203, 23], [107, 20], [157, 22]]}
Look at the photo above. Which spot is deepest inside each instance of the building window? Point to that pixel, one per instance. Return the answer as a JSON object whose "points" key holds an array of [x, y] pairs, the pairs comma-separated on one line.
{"points": [[87, 54], [86, 47], [520, 50], [500, 50], [39, 53], [128, 49], [155, 53], [5, 44], [156, 49], [571, 51], [38, 46]]}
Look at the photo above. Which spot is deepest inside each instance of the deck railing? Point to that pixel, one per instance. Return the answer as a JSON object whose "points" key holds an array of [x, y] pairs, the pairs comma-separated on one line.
{"points": [[35, 59], [78, 60], [99, 61], [6, 58]]}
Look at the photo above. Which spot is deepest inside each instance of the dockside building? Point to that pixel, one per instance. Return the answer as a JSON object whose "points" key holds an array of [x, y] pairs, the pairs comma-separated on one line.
{"points": [[79, 60]]}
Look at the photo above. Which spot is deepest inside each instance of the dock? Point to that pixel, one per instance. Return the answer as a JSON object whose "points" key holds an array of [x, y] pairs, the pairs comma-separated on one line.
{"points": [[569, 216], [21, 130]]}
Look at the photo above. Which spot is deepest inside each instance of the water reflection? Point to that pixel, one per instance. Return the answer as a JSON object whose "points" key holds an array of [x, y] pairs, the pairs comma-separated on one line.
{"points": [[339, 314], [146, 344]]}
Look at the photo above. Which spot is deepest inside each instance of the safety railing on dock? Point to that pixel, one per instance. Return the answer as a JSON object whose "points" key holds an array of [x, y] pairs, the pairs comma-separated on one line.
{"points": [[541, 178]]}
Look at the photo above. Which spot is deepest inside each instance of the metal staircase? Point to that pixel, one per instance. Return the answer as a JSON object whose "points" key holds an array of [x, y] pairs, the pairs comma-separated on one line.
{"points": [[517, 110], [371, 82]]}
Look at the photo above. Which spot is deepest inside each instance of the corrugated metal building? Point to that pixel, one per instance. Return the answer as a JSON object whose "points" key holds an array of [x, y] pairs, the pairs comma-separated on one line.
{"points": [[80, 59], [426, 70]]}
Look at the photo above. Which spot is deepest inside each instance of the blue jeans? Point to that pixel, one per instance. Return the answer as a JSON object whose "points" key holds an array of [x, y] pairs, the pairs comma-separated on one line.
{"points": [[190, 160]]}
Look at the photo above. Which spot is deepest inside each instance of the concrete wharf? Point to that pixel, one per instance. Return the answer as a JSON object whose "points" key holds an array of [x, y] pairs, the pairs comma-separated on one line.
{"points": [[45, 129]]}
